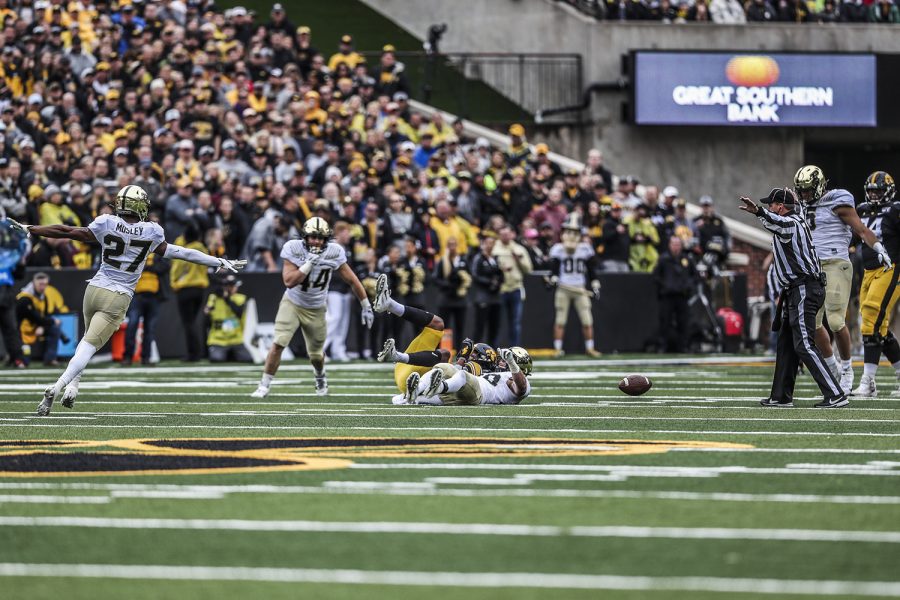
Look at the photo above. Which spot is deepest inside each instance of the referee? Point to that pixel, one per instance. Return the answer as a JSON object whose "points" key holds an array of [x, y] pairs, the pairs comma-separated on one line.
{"points": [[798, 272]]}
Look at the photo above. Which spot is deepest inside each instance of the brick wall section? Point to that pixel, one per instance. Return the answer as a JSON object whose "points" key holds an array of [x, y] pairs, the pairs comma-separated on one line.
{"points": [[756, 276]]}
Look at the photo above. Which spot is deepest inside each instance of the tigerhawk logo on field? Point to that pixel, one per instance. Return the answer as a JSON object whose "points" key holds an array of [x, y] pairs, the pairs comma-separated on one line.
{"points": [[192, 456]]}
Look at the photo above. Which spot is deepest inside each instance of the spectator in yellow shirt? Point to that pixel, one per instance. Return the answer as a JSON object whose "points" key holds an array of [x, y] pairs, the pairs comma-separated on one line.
{"points": [[225, 312], [189, 281], [345, 54]]}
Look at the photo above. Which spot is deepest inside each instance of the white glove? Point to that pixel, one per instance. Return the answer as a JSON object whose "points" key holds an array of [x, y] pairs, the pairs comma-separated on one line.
{"points": [[595, 286], [883, 257], [18, 226], [510, 360], [311, 261], [230, 265], [368, 315]]}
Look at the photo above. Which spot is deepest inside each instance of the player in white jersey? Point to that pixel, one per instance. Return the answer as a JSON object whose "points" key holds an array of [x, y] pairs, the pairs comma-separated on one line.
{"points": [[573, 266], [308, 266], [126, 240], [446, 384], [833, 220]]}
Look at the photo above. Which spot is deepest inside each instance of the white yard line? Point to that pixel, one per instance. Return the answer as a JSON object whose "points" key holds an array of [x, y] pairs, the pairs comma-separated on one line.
{"points": [[208, 426], [434, 528], [456, 579], [36, 499], [188, 491]]}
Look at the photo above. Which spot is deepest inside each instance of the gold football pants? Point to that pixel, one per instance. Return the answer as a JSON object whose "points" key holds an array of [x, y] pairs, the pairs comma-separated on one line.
{"points": [[428, 339], [877, 297]]}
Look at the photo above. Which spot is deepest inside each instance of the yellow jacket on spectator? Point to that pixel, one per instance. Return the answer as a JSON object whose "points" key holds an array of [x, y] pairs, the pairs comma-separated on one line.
{"points": [[225, 327], [184, 274], [149, 281], [642, 255], [440, 135], [352, 59], [57, 214], [50, 304], [450, 229], [190, 168]]}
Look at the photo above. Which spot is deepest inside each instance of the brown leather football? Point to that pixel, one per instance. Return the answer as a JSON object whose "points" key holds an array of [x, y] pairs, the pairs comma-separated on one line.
{"points": [[635, 385]]}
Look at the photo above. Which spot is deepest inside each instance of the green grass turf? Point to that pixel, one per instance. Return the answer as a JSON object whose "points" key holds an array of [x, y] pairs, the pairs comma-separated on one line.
{"points": [[810, 472]]}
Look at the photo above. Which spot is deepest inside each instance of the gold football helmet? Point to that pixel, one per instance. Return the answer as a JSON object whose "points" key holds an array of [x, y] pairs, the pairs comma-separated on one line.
{"points": [[809, 183], [316, 228], [133, 200], [523, 359]]}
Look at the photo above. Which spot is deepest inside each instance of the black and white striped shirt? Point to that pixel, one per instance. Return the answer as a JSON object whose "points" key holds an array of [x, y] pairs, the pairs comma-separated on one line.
{"points": [[795, 256]]}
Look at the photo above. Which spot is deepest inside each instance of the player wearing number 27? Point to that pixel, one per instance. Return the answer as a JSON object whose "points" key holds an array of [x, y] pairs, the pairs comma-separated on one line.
{"points": [[126, 240], [306, 272]]}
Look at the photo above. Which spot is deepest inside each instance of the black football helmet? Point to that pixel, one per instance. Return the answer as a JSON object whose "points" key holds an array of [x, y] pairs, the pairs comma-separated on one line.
{"points": [[485, 355], [880, 188]]}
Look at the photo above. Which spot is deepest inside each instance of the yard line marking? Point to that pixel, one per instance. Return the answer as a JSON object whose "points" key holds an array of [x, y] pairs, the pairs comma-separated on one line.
{"points": [[418, 414], [35, 499], [468, 429], [455, 579], [194, 491], [436, 528]]}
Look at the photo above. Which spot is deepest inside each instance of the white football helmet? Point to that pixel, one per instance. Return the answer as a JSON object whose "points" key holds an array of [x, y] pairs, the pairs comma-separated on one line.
{"points": [[316, 228], [133, 200]]}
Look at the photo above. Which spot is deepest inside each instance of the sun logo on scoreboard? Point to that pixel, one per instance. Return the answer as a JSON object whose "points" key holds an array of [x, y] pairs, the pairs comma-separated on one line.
{"points": [[752, 71]]}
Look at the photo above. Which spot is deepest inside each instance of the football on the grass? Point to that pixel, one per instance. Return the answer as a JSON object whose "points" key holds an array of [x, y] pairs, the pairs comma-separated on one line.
{"points": [[635, 385]]}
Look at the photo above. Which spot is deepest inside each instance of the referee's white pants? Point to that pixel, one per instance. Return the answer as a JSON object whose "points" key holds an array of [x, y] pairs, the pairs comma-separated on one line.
{"points": [[337, 324]]}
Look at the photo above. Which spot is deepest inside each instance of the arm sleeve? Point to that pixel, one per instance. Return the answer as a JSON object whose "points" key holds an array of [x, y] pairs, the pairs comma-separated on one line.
{"points": [[190, 255]]}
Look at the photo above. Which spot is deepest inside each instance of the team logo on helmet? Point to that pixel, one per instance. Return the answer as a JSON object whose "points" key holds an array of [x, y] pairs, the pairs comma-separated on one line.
{"points": [[523, 359], [316, 228], [486, 356], [880, 187], [809, 183], [133, 200]]}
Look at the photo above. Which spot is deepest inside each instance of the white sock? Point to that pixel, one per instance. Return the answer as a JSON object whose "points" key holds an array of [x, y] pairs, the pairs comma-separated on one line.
{"points": [[557, 344], [847, 364], [77, 364], [588, 344], [266, 380], [455, 383], [869, 370], [318, 372], [395, 308], [402, 357], [896, 366], [75, 381], [831, 361]]}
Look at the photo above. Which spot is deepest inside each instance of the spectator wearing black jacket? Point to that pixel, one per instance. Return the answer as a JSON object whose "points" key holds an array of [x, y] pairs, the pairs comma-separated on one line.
{"points": [[675, 276], [615, 242], [487, 278], [452, 278]]}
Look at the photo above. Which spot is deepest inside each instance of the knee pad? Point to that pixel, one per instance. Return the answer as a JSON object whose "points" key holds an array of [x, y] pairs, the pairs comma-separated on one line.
{"points": [[871, 349], [891, 348], [317, 356], [836, 320]]}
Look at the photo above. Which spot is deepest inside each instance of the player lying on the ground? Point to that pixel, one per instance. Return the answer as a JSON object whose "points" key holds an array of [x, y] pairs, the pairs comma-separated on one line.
{"points": [[446, 384], [127, 239]]}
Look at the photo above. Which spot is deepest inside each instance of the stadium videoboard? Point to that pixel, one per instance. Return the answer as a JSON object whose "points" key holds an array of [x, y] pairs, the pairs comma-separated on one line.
{"points": [[753, 89]]}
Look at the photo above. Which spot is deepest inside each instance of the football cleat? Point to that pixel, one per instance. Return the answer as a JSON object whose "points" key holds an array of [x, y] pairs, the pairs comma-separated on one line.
{"points": [[399, 400], [321, 385], [776, 403], [866, 387], [833, 402], [846, 379], [412, 387], [389, 352], [435, 379], [68, 397], [382, 294], [46, 404], [592, 352], [261, 392]]}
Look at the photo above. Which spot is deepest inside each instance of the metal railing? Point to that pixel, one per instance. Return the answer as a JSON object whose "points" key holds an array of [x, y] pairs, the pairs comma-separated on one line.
{"points": [[493, 87]]}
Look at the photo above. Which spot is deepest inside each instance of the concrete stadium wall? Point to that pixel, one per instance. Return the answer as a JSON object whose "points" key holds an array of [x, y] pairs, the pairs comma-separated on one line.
{"points": [[722, 162]]}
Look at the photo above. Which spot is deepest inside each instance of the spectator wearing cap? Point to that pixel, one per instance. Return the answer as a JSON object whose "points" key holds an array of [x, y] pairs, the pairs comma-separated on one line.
{"points": [[389, 75], [468, 198], [575, 195], [425, 150], [81, 60], [518, 152], [180, 209], [451, 276], [279, 22], [36, 307], [411, 274], [345, 54], [189, 281], [670, 195], [508, 201], [713, 238], [304, 49], [441, 130], [643, 253], [515, 263], [230, 163], [149, 180], [613, 245], [487, 277], [542, 163], [626, 192]]}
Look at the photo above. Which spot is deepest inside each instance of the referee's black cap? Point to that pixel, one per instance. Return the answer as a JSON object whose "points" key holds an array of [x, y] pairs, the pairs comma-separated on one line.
{"points": [[781, 195]]}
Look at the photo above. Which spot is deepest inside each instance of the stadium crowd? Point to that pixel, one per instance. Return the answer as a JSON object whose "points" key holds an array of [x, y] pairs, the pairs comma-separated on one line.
{"points": [[733, 12], [240, 132]]}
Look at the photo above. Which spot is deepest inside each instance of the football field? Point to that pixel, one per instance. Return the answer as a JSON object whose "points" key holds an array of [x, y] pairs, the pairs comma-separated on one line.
{"points": [[171, 482]]}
